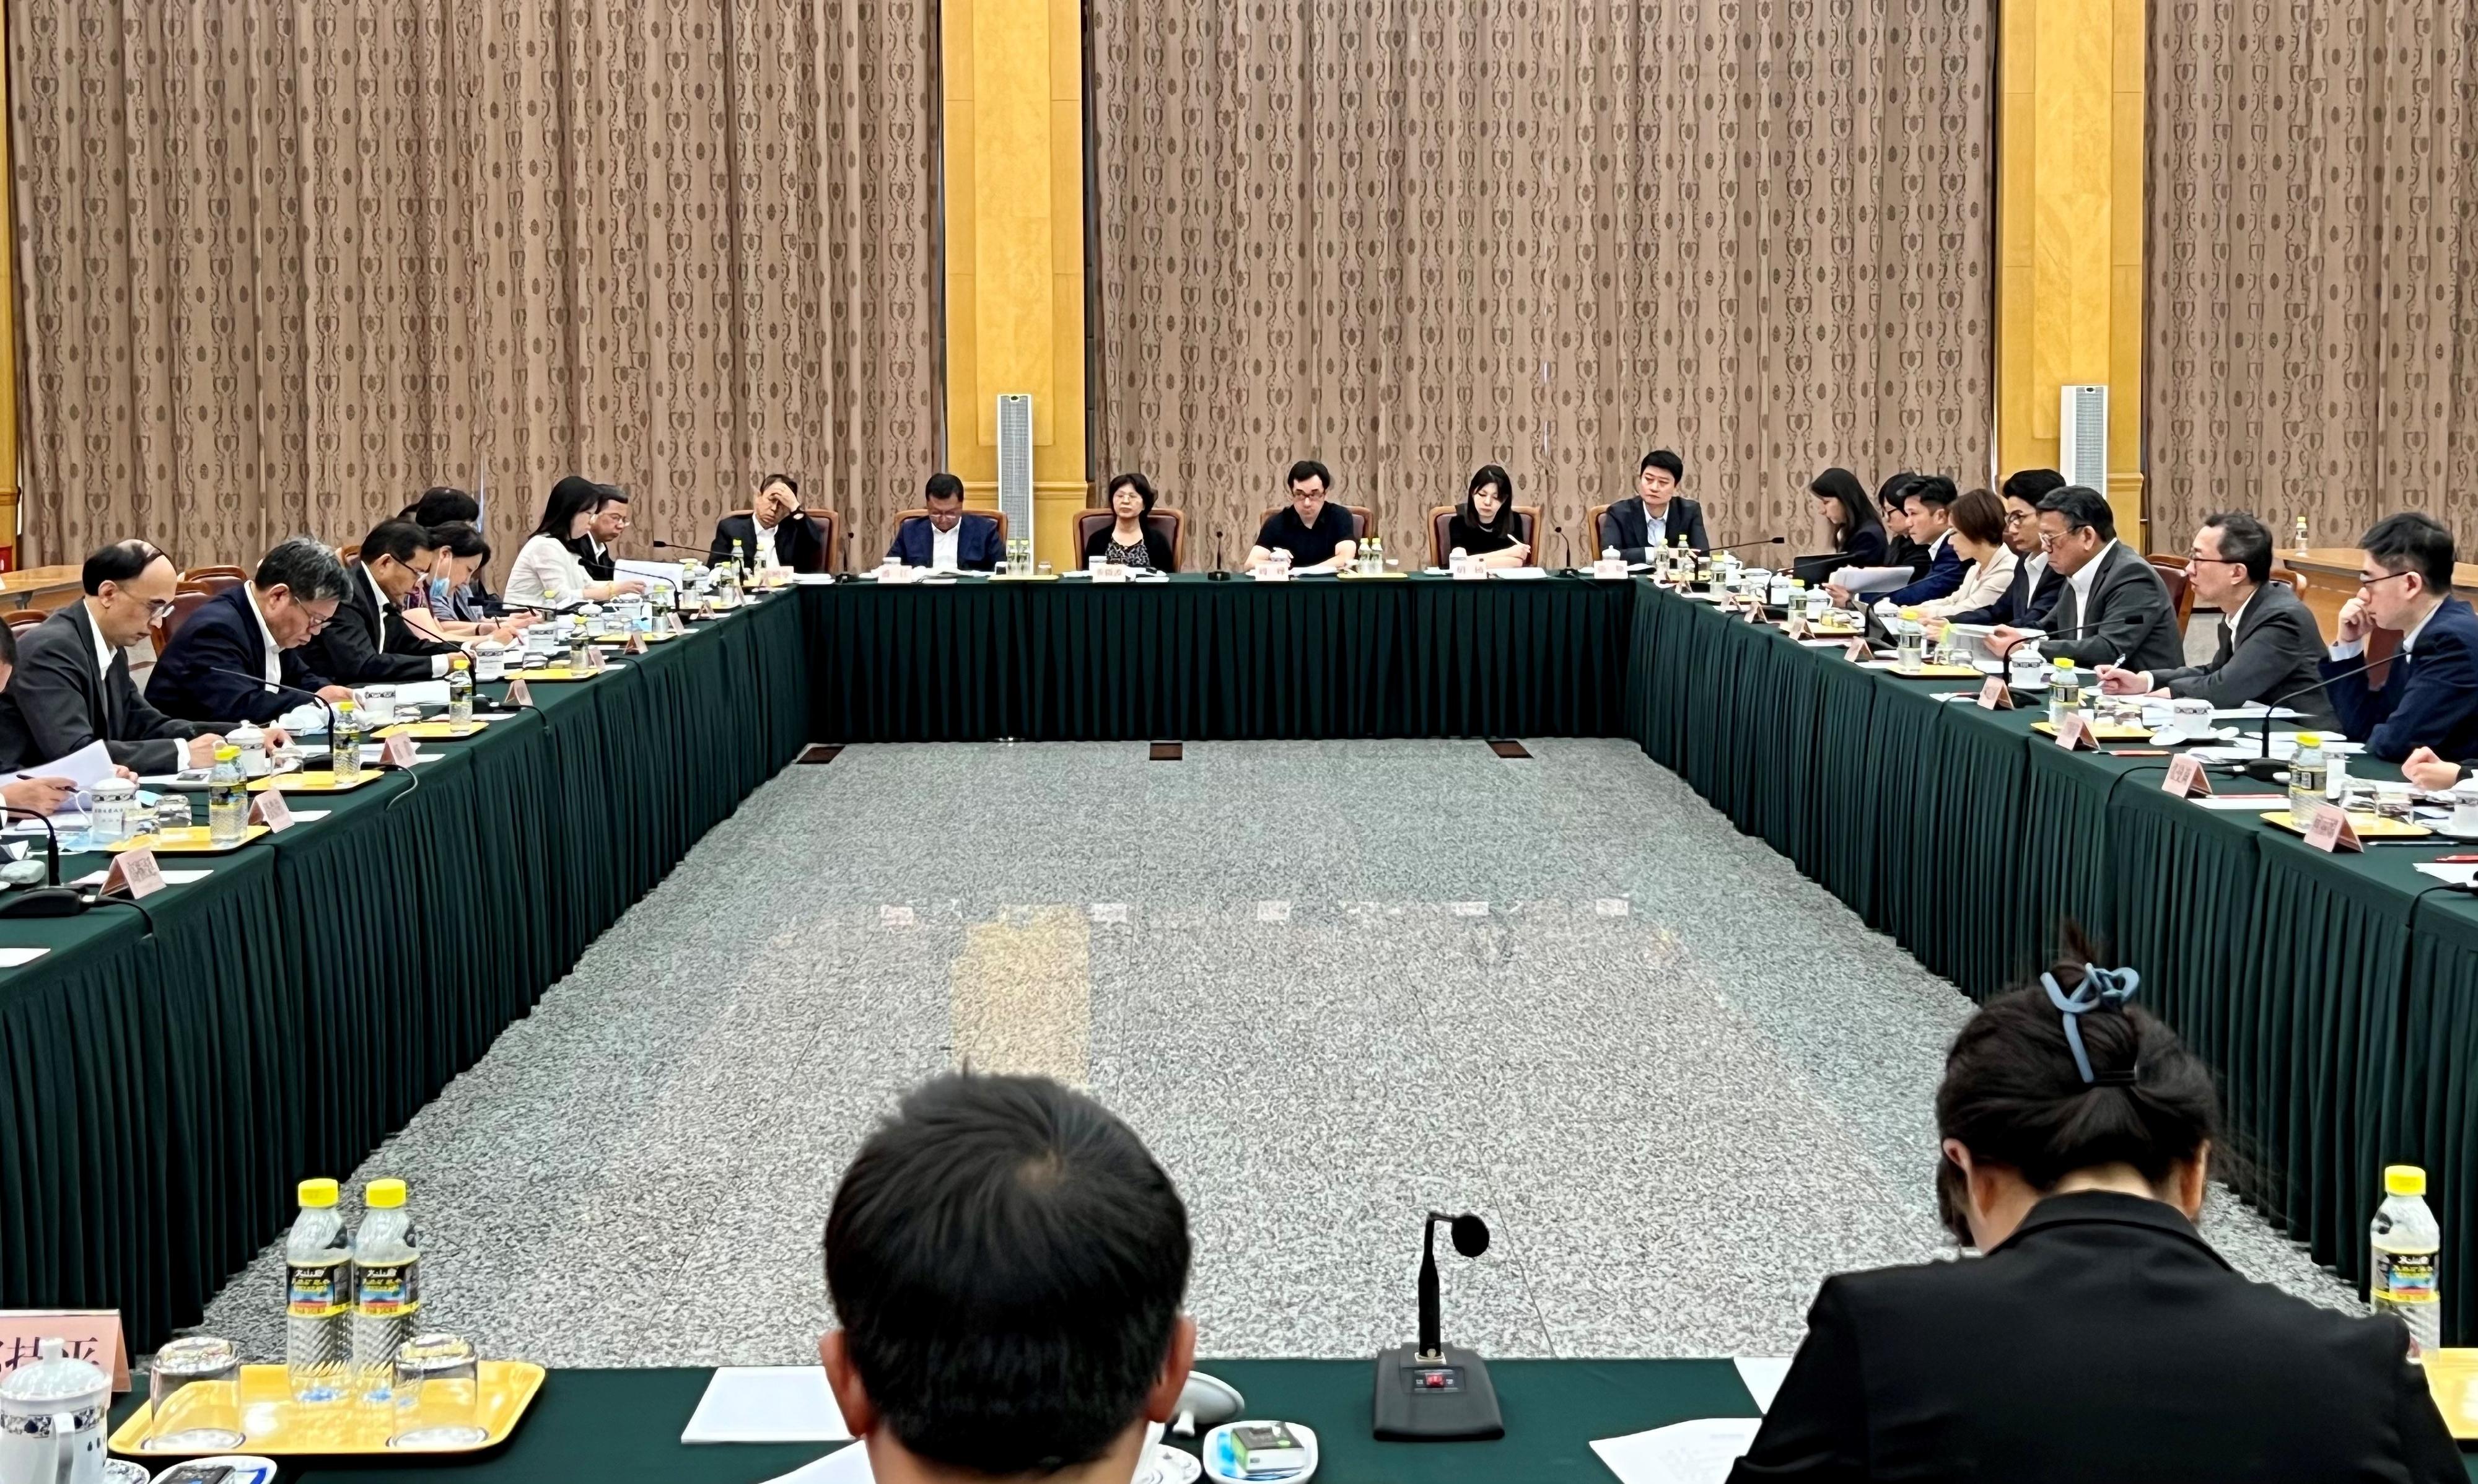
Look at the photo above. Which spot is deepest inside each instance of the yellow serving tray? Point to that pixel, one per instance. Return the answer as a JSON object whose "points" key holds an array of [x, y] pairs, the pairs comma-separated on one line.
{"points": [[431, 731], [278, 1427], [2100, 730], [321, 782], [2369, 826], [189, 840], [2452, 1378], [1935, 672], [1023, 577], [554, 672], [615, 640]]}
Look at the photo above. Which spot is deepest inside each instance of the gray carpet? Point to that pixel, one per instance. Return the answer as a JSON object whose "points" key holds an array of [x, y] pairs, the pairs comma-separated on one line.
{"points": [[1333, 985]]}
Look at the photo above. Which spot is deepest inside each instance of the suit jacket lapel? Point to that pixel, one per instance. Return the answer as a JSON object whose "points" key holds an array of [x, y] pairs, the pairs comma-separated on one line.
{"points": [[102, 708]]}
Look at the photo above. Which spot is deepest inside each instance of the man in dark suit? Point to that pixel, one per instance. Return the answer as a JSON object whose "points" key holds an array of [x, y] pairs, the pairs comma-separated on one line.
{"points": [[30, 795], [2270, 649], [948, 539], [369, 643], [2032, 592], [2430, 694], [1655, 514], [593, 549], [776, 532], [1927, 506], [256, 628], [71, 686], [2115, 610]]}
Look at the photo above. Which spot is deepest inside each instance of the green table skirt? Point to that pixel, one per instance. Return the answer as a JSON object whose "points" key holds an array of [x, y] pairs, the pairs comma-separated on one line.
{"points": [[163, 1092]]}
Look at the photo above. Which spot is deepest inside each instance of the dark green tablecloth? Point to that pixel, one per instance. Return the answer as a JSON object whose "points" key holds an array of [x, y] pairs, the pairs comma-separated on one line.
{"points": [[163, 1092], [1196, 659]]}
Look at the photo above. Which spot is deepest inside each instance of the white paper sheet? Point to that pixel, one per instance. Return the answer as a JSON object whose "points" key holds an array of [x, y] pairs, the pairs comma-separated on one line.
{"points": [[1517, 574], [813, 579], [2457, 875], [1764, 1375], [665, 571], [767, 1404], [2254, 712], [171, 877], [1697, 1452], [2242, 803], [66, 822], [20, 958], [84, 767], [843, 1466]]}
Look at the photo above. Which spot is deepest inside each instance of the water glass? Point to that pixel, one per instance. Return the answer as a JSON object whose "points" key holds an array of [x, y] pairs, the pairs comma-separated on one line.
{"points": [[172, 812], [438, 1394], [2392, 803], [195, 1395]]}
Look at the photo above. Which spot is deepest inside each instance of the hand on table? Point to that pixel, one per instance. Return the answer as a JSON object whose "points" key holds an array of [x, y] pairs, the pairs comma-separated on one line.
{"points": [[38, 795], [202, 748], [278, 737], [1839, 594], [2355, 623], [335, 696], [626, 585], [1522, 553], [2428, 771], [2123, 682]]}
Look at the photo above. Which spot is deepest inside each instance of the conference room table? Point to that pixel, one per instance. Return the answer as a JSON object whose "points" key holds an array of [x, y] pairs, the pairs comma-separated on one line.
{"points": [[161, 1090]]}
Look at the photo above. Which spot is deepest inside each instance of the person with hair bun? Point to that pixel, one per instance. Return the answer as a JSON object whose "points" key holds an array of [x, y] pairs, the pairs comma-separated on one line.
{"points": [[2100, 1338]]}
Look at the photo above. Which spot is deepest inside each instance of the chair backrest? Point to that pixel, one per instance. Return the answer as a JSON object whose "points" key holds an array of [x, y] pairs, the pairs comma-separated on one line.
{"points": [[2296, 580], [905, 519], [830, 531], [202, 573], [2180, 586], [1363, 519], [23, 619], [1591, 532], [186, 600], [217, 580], [1441, 519], [351, 553], [1169, 523]]}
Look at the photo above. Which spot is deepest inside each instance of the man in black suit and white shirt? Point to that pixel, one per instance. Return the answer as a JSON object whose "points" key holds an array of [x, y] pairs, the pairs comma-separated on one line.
{"points": [[369, 643], [1655, 514], [2271, 647], [2115, 610], [71, 686], [593, 549], [776, 532]]}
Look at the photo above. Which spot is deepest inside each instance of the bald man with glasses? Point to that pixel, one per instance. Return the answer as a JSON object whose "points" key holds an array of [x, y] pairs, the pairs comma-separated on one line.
{"points": [[72, 686]]}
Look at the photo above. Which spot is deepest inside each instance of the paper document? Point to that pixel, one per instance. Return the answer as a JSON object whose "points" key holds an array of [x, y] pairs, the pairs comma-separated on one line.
{"points": [[843, 1466], [1872, 579], [171, 878], [2456, 875], [767, 1404], [1764, 1375], [2242, 803], [66, 822], [304, 720], [664, 571], [20, 958], [83, 767], [1517, 574], [2254, 712], [813, 579], [1697, 1452]]}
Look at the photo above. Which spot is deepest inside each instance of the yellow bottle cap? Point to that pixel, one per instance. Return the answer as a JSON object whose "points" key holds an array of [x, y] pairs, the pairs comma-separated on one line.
{"points": [[1911, 614], [383, 1195], [2310, 739], [2062, 662], [319, 1193], [2404, 1180], [227, 753], [457, 662]]}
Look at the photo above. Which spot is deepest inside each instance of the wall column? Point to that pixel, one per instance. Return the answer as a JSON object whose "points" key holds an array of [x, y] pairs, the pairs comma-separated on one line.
{"points": [[1015, 248], [2069, 219]]}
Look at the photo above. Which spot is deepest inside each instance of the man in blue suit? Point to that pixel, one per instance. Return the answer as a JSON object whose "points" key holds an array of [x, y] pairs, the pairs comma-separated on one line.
{"points": [[948, 539], [2429, 696], [256, 628]]}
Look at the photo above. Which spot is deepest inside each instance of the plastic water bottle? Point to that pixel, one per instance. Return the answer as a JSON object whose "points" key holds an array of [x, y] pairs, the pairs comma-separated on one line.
{"points": [[1907, 643], [227, 799], [2405, 1239], [317, 1297], [2302, 549], [346, 753], [2065, 690], [387, 1287], [2306, 778], [460, 692]]}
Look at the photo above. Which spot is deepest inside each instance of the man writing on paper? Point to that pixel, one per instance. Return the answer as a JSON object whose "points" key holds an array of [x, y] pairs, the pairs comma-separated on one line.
{"points": [[1320, 535], [256, 628], [2270, 647], [2115, 610], [2429, 698], [71, 686], [30, 795], [367, 642], [1007, 1263]]}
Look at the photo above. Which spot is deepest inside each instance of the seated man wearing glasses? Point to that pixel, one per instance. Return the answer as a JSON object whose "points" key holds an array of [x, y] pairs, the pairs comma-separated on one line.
{"points": [[2113, 609], [238, 658], [2429, 698], [2270, 647], [71, 686]]}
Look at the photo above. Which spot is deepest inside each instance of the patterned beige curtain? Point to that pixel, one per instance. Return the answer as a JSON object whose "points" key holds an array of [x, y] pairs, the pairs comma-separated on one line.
{"points": [[288, 261], [2313, 273], [1410, 237]]}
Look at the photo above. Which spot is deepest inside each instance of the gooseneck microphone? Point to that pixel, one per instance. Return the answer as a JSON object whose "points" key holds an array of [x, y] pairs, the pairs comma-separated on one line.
{"points": [[1769, 541], [2262, 768], [1221, 565], [279, 688], [1435, 1391], [1471, 1239]]}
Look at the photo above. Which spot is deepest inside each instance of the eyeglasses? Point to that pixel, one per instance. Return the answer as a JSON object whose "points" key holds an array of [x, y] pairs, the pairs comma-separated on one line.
{"points": [[2196, 558], [161, 609], [2364, 581], [2014, 519]]}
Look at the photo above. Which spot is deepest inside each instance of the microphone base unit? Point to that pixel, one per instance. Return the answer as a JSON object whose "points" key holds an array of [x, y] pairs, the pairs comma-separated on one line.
{"points": [[46, 902], [1443, 1398]]}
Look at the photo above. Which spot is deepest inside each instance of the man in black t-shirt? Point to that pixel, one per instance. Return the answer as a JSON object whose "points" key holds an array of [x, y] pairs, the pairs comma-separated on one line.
{"points": [[1321, 537]]}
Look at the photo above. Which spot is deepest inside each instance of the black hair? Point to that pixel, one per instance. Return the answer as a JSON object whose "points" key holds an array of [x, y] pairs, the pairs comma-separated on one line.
{"points": [[305, 566], [2406, 543], [1306, 470], [1007, 1263], [1889, 493], [8, 646], [610, 495], [1843, 490], [2012, 1095], [1663, 459], [397, 538], [570, 498], [440, 504], [941, 486], [2031, 485], [2083, 508], [119, 561], [1981, 516], [785, 480], [2244, 538], [461, 540], [1143, 486], [1491, 474], [1930, 489]]}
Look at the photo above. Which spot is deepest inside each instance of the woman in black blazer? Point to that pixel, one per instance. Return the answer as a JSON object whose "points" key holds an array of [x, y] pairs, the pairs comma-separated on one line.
{"points": [[1129, 540], [2101, 1339], [1486, 527], [1858, 535]]}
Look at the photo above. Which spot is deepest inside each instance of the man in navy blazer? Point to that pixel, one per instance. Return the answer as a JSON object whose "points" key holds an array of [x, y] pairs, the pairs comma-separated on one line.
{"points": [[950, 538], [2429, 698], [254, 628], [1928, 504]]}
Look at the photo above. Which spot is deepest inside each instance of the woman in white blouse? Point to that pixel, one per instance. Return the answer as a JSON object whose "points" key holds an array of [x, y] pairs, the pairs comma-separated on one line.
{"points": [[1979, 534], [547, 572]]}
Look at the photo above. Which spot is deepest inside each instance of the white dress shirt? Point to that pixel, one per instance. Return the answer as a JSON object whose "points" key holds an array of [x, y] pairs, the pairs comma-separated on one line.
{"points": [[764, 556], [2081, 582], [543, 567], [378, 595], [102, 648], [944, 545], [271, 661]]}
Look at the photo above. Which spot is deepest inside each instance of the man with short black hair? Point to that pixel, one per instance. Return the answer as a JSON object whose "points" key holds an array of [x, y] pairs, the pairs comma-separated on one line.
{"points": [[72, 687], [1927, 508], [1655, 514], [367, 642], [2029, 599], [1320, 535], [950, 539], [2430, 693], [593, 549], [255, 628], [2114, 609], [1007, 1264], [2270, 647]]}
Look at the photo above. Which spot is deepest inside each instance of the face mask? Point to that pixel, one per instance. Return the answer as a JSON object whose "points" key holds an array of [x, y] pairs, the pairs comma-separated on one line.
{"points": [[439, 589]]}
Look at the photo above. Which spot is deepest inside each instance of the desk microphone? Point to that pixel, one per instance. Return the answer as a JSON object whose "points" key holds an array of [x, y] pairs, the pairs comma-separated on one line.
{"points": [[2262, 768], [1435, 1394], [1769, 541], [1565, 548], [51, 899], [1221, 566]]}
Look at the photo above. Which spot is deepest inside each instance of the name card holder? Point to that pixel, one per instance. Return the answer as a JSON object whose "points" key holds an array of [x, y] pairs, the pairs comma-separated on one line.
{"points": [[2332, 832], [90, 1334], [1858, 652], [520, 694], [2074, 735], [401, 749], [135, 872], [271, 810], [2187, 779], [1995, 695]]}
